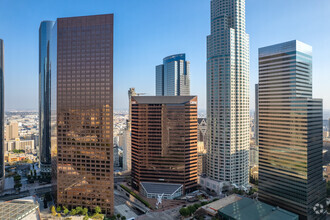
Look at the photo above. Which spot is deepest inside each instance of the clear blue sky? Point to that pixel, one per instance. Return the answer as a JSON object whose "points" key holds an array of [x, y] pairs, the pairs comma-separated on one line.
{"points": [[146, 31]]}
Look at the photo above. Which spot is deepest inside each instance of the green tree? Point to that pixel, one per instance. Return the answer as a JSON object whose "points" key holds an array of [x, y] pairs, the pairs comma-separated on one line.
{"points": [[84, 211], [86, 217], [118, 216], [73, 212], [191, 209], [79, 210], [65, 210], [184, 212], [58, 209], [123, 218], [97, 210]]}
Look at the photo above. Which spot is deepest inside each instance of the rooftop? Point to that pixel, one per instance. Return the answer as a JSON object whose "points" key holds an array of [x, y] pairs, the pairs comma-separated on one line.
{"points": [[246, 209], [163, 99], [17, 209], [159, 188]]}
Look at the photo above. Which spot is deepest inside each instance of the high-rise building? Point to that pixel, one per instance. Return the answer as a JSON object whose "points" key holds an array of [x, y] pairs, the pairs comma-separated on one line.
{"points": [[2, 117], [12, 131], [290, 131], [76, 109], [256, 115], [85, 112], [45, 34], [127, 152], [227, 97], [173, 76], [164, 144], [201, 151]]}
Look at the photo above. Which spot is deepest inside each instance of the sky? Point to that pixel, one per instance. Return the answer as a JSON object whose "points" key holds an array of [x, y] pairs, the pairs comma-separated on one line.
{"points": [[146, 31]]}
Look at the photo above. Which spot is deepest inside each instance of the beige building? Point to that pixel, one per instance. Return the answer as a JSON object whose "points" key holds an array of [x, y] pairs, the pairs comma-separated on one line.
{"points": [[12, 131], [17, 144]]}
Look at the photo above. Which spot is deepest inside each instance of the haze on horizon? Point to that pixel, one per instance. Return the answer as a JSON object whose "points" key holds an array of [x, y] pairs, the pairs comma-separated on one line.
{"points": [[145, 32]]}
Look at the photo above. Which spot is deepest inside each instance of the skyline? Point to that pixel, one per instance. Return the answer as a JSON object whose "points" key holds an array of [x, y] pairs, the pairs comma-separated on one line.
{"points": [[155, 36]]}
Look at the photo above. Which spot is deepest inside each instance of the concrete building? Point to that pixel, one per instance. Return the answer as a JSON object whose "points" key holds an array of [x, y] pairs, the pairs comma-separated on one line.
{"points": [[17, 144], [201, 149], [173, 76], [12, 131], [227, 97], [2, 117], [164, 144], [127, 151], [83, 89], [290, 131]]}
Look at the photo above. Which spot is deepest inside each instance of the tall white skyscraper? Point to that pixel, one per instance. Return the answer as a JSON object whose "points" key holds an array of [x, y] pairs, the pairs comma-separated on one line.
{"points": [[173, 76], [227, 96]]}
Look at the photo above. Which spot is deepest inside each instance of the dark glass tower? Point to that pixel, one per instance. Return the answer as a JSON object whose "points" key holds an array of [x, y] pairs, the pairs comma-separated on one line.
{"points": [[2, 161], [85, 112], [45, 32]]}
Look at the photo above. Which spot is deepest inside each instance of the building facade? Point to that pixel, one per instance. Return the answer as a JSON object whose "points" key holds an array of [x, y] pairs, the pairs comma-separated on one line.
{"points": [[2, 117], [227, 96], [127, 149], [256, 114], [173, 76], [45, 34], [12, 131], [290, 131], [164, 142], [84, 112]]}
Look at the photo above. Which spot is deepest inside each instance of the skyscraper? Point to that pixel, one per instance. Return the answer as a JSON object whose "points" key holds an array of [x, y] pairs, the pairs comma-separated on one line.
{"points": [[256, 116], [85, 112], [12, 131], [76, 108], [164, 143], [290, 131], [227, 96], [45, 33], [127, 152], [2, 117], [173, 76]]}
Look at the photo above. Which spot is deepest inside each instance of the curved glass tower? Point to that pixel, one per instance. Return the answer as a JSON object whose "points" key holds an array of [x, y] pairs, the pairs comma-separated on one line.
{"points": [[45, 32], [228, 94], [173, 76], [2, 161]]}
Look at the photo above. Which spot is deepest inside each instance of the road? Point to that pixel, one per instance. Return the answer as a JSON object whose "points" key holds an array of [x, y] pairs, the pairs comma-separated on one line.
{"points": [[37, 191]]}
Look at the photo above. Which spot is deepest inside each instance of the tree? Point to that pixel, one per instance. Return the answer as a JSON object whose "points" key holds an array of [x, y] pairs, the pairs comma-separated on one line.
{"points": [[65, 210], [58, 209], [84, 211], [86, 217], [73, 212], [191, 209], [118, 216], [97, 210], [123, 218], [79, 210], [184, 212], [53, 211]]}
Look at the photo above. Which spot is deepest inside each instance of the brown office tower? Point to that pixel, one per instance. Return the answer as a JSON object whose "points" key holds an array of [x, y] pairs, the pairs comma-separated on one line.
{"points": [[164, 145], [84, 112]]}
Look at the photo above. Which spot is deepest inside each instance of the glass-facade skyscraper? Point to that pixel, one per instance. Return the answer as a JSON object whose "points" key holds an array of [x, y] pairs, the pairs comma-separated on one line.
{"points": [[76, 109], [290, 131], [2, 117], [228, 129], [45, 34], [173, 76]]}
